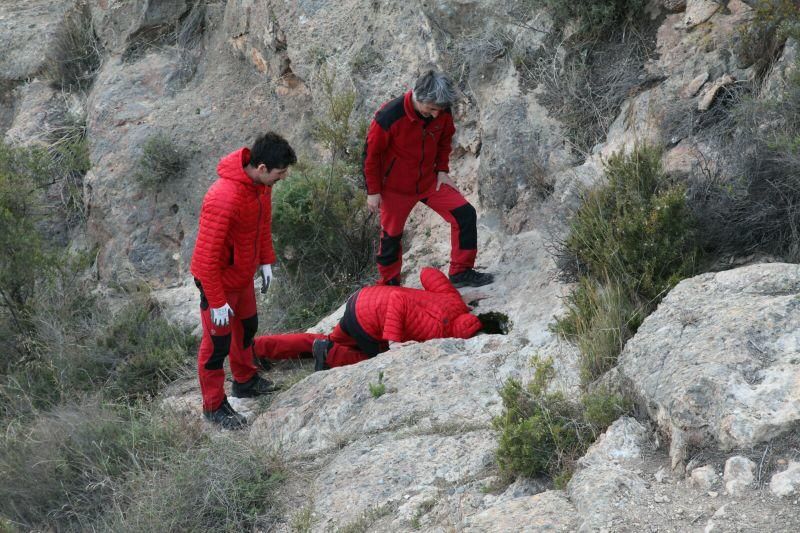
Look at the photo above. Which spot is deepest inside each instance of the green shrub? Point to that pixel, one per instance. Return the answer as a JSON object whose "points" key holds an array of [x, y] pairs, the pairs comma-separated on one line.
{"points": [[336, 130], [762, 38], [637, 230], [544, 433], [162, 161], [594, 18], [324, 240], [62, 469], [600, 319], [217, 485], [145, 350], [75, 56]]}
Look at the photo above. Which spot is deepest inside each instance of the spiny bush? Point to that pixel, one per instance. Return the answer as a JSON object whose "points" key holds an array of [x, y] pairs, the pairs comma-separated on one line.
{"points": [[544, 433], [23, 172], [75, 54], [636, 230], [325, 238], [632, 239], [336, 129], [762, 38], [324, 241], [162, 160], [600, 319], [145, 349], [63, 468], [216, 485], [593, 18], [75, 347], [747, 198]]}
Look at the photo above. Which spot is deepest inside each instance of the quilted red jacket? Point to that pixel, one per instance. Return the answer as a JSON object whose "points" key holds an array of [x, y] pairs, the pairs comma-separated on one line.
{"points": [[402, 314], [234, 235], [403, 151]]}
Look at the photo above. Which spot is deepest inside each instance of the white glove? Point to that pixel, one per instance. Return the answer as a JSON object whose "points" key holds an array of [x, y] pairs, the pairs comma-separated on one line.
{"points": [[265, 271], [219, 315]]}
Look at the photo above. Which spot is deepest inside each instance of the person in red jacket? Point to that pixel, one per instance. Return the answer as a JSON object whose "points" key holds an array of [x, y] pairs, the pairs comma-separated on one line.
{"points": [[406, 160], [375, 316], [234, 241]]}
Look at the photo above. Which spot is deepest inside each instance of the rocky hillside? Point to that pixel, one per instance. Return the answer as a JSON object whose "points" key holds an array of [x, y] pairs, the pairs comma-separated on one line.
{"points": [[715, 370]]}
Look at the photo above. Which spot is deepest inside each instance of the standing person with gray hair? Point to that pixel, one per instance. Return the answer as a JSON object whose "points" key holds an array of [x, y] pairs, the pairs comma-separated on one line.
{"points": [[406, 160]]}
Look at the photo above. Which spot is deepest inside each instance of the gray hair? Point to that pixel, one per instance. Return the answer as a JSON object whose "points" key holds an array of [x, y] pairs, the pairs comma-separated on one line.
{"points": [[435, 87]]}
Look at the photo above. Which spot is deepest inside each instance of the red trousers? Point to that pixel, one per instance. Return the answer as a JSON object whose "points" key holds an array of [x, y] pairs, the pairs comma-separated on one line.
{"points": [[450, 205], [235, 339], [296, 345]]}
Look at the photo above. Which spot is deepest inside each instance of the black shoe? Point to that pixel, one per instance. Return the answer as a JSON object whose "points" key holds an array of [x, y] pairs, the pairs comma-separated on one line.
{"points": [[225, 417], [471, 278], [320, 351], [257, 386]]}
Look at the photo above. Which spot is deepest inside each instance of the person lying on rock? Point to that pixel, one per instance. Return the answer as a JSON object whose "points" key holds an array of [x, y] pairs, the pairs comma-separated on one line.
{"points": [[234, 241], [406, 161], [375, 316]]}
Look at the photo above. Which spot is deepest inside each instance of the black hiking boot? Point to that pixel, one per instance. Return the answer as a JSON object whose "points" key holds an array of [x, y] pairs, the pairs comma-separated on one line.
{"points": [[257, 386], [471, 278], [320, 351], [225, 417]]}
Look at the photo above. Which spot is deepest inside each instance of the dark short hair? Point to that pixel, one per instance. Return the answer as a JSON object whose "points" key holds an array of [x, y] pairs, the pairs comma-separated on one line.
{"points": [[272, 150]]}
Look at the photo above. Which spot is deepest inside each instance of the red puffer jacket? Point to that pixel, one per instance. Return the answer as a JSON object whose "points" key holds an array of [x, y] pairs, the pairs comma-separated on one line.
{"points": [[234, 235], [402, 314], [403, 151]]}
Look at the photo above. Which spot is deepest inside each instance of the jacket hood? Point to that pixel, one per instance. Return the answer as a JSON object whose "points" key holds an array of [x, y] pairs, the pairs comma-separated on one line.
{"points": [[231, 167], [465, 326]]}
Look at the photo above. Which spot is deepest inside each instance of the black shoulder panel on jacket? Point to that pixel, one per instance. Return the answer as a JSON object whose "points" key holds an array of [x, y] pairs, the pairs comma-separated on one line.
{"points": [[391, 113]]}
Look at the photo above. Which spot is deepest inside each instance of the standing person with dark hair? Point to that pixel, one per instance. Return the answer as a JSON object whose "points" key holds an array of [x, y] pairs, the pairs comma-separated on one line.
{"points": [[407, 161], [234, 241]]}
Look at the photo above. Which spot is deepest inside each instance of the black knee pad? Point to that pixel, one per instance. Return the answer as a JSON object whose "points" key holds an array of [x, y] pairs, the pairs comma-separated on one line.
{"points": [[249, 327], [222, 345], [390, 249], [466, 218]]}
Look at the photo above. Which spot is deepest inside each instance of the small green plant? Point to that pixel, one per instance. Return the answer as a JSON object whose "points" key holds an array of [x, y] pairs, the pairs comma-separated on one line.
{"points": [[75, 54], [162, 161], [367, 518], [544, 433], [303, 520], [378, 389], [336, 130]]}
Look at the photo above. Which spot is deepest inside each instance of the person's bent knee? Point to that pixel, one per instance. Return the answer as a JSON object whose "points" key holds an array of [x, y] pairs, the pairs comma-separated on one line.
{"points": [[249, 329], [222, 346], [466, 220]]}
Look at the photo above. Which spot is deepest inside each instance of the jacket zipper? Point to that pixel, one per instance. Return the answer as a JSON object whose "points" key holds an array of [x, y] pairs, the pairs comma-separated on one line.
{"points": [[258, 229]]}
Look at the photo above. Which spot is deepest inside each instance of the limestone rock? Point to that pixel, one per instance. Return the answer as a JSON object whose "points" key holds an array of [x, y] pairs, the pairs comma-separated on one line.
{"points": [[786, 483], [24, 57], [621, 443], [693, 86], [738, 475], [704, 478], [116, 21], [719, 361], [601, 487], [711, 92], [699, 11], [548, 511]]}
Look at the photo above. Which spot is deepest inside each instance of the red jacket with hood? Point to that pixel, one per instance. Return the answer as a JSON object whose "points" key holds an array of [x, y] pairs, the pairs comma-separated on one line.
{"points": [[402, 314], [234, 235], [404, 151]]}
